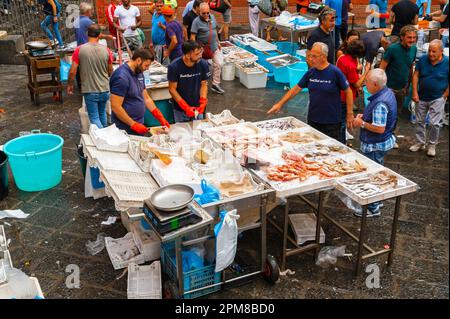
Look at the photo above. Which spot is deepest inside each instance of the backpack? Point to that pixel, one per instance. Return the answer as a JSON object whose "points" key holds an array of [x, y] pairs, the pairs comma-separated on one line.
{"points": [[218, 5]]}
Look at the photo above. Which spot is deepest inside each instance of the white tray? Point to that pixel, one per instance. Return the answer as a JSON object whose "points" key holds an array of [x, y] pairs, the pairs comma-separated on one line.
{"points": [[290, 119], [404, 186]]}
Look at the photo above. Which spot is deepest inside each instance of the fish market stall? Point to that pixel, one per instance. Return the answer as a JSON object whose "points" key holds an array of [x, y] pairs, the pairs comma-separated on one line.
{"points": [[295, 160], [146, 165]]}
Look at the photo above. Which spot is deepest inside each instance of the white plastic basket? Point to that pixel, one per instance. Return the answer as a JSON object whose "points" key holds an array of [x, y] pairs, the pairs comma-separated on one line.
{"points": [[144, 282]]}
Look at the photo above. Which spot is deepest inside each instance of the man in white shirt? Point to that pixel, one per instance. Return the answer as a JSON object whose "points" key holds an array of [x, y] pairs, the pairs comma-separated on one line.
{"points": [[127, 18]]}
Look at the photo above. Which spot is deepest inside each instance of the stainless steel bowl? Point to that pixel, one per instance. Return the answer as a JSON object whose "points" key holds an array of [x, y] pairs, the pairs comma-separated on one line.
{"points": [[37, 44], [172, 197]]}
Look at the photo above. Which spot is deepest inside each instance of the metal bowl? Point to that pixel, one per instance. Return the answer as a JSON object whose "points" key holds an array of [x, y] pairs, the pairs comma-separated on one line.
{"points": [[37, 44], [172, 197]]}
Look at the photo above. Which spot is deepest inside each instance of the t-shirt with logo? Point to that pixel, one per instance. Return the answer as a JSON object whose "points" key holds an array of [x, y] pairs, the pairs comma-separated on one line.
{"points": [[188, 80], [127, 18], [324, 88]]}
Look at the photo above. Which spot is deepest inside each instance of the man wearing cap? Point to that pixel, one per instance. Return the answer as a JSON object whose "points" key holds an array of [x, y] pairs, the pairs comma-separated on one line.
{"points": [[129, 98], [174, 34]]}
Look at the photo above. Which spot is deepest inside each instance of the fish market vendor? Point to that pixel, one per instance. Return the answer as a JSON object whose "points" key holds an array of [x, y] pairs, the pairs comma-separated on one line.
{"points": [[129, 97], [188, 83]]}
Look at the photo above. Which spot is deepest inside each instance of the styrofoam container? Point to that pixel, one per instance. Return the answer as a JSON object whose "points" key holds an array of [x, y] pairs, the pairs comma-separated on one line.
{"points": [[147, 241], [304, 228], [254, 80], [144, 282]]}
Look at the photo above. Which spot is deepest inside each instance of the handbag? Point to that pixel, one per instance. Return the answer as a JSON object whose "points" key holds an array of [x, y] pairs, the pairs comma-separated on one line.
{"points": [[207, 51]]}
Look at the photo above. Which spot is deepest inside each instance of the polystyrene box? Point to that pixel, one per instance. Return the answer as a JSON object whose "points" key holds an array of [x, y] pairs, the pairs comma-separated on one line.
{"points": [[147, 241]]}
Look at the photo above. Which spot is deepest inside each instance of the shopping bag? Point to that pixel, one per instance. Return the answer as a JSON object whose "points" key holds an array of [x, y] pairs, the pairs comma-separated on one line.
{"points": [[226, 232]]}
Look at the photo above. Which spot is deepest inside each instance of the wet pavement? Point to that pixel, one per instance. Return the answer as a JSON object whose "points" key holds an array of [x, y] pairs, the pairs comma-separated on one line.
{"points": [[61, 220]]}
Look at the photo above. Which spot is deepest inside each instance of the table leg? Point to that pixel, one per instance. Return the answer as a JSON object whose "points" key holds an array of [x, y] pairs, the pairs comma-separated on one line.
{"points": [[394, 230], [318, 223], [362, 234], [285, 234], [263, 234]]}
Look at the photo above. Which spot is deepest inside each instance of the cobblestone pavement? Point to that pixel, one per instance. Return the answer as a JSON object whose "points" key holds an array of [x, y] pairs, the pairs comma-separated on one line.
{"points": [[61, 220]]}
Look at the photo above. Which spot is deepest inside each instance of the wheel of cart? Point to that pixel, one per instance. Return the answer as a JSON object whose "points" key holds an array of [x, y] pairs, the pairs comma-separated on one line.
{"points": [[271, 270]]}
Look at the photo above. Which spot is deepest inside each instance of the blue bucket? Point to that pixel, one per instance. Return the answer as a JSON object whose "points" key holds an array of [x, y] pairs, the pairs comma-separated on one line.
{"points": [[166, 109], [296, 72], [35, 161], [366, 96]]}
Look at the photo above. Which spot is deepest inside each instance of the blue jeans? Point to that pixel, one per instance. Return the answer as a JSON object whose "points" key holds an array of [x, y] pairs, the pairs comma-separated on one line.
{"points": [[49, 21], [96, 108], [180, 116], [377, 156]]}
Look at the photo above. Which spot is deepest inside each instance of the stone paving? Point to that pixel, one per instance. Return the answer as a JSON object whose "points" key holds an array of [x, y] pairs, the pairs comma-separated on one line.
{"points": [[61, 220]]}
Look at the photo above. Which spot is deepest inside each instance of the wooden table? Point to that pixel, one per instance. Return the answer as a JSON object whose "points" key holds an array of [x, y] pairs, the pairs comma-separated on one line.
{"points": [[41, 66]]}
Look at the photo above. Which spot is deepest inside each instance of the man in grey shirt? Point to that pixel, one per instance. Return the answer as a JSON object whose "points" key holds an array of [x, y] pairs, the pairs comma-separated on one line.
{"points": [[95, 63], [204, 30]]}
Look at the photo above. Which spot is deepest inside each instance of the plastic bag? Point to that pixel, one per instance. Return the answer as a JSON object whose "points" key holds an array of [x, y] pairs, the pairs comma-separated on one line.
{"points": [[210, 194], [226, 232], [350, 203], [193, 258], [328, 255], [64, 69]]}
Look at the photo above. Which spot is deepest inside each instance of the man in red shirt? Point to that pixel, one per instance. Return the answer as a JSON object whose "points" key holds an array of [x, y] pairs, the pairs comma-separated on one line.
{"points": [[348, 64], [110, 17]]}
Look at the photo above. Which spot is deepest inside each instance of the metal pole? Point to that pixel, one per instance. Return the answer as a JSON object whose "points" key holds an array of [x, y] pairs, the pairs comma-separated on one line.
{"points": [[318, 223], [262, 209], [361, 240], [394, 230]]}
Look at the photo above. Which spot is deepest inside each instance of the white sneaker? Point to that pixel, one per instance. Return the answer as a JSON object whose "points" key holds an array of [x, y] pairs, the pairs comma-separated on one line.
{"points": [[396, 145], [431, 150], [416, 147], [348, 136]]}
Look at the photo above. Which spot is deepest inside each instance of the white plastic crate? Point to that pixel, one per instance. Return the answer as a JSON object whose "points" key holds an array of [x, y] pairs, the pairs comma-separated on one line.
{"points": [[304, 228], [144, 282], [147, 241], [252, 80]]}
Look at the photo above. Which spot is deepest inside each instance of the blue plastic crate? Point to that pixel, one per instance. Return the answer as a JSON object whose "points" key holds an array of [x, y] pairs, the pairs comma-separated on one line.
{"points": [[194, 279]]}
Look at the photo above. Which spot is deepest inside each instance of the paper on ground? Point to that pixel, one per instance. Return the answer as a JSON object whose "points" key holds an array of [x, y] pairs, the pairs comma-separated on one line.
{"points": [[16, 213], [111, 220]]}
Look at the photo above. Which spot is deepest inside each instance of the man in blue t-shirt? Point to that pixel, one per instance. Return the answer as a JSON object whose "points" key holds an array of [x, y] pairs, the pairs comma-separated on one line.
{"points": [[158, 38], [188, 83], [129, 98], [325, 82], [430, 92], [83, 23]]}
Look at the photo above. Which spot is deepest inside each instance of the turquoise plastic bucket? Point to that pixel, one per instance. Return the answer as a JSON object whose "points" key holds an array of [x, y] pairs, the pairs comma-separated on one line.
{"points": [[35, 161], [166, 109], [366, 96], [287, 47], [296, 72], [281, 75]]}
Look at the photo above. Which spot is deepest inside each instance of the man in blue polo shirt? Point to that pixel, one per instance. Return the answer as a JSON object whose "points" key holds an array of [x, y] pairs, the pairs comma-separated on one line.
{"points": [[129, 98], [430, 91], [325, 82], [188, 83]]}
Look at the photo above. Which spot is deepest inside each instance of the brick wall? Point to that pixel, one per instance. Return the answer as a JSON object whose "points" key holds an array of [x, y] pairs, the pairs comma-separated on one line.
{"points": [[240, 10]]}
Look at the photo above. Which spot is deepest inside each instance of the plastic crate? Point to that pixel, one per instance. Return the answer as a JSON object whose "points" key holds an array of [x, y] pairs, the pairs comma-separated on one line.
{"points": [[144, 282], [252, 80], [193, 279]]}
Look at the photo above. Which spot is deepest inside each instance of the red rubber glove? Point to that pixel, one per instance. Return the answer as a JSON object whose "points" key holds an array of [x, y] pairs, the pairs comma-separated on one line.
{"points": [[202, 106], [189, 110], [139, 128], [160, 117]]}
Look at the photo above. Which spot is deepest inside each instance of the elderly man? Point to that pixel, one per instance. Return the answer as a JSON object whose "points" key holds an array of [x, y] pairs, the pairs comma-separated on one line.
{"points": [[129, 98], [204, 30], [95, 63], [83, 22], [325, 83], [377, 124], [398, 63], [430, 92], [323, 33], [127, 18], [188, 83]]}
